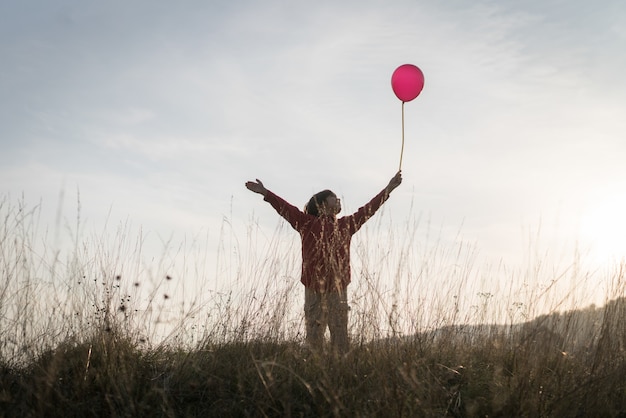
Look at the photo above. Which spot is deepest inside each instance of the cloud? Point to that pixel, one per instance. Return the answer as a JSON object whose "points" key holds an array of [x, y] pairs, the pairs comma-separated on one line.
{"points": [[521, 107]]}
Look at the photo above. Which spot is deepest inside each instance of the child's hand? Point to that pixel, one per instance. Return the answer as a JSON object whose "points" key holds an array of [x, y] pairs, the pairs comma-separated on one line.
{"points": [[256, 187], [394, 182]]}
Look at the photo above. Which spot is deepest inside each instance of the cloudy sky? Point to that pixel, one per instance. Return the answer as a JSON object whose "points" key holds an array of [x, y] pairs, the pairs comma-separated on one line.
{"points": [[155, 113]]}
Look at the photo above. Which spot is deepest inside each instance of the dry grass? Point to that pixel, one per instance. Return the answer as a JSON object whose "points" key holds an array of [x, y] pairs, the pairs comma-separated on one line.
{"points": [[87, 345]]}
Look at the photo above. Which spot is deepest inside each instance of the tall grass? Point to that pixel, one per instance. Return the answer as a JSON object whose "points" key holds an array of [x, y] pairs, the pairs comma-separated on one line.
{"points": [[101, 328]]}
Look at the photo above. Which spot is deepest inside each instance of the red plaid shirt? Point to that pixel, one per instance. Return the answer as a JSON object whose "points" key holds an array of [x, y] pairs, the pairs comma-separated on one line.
{"points": [[325, 241]]}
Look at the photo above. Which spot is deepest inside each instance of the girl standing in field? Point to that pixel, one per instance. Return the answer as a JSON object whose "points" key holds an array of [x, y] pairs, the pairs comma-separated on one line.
{"points": [[325, 257]]}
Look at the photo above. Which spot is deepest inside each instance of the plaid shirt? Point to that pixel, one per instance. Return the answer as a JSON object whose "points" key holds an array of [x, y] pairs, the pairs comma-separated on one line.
{"points": [[325, 241]]}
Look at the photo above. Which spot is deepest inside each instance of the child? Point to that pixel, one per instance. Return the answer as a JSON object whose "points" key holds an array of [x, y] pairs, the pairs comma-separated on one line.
{"points": [[325, 257]]}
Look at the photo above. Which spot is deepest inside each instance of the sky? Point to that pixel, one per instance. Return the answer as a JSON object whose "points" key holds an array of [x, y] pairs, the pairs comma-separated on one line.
{"points": [[154, 114]]}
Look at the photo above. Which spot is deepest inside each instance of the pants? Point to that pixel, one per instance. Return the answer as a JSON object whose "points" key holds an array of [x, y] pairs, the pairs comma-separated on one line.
{"points": [[323, 310]]}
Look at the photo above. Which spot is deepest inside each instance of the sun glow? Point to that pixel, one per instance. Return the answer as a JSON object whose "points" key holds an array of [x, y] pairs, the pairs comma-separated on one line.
{"points": [[603, 226]]}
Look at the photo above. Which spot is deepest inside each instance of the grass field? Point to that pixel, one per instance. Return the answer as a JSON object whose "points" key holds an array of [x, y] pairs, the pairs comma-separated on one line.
{"points": [[95, 331]]}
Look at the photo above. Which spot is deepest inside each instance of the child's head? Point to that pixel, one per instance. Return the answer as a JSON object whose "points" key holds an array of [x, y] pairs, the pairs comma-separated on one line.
{"points": [[324, 202]]}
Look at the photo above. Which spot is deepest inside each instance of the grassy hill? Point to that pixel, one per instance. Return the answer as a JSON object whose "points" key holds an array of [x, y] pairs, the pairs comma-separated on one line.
{"points": [[544, 367], [72, 344]]}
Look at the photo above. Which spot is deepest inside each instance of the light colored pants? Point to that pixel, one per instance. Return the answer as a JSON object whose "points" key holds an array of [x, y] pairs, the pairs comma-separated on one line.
{"points": [[323, 310]]}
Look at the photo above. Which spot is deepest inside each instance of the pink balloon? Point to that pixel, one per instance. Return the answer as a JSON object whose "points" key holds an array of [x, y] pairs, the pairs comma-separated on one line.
{"points": [[407, 82]]}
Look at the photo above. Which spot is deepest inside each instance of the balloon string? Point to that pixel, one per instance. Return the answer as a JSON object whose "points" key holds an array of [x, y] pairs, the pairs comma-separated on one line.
{"points": [[402, 149]]}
